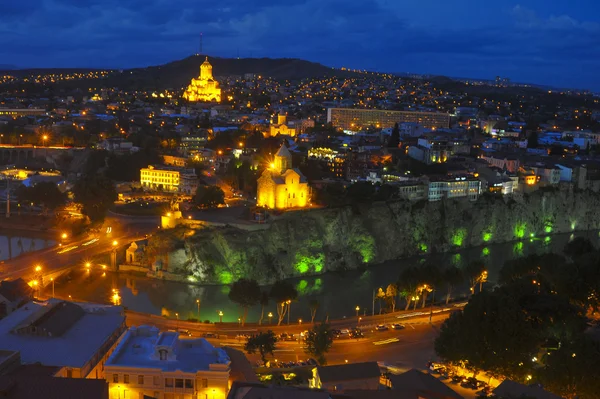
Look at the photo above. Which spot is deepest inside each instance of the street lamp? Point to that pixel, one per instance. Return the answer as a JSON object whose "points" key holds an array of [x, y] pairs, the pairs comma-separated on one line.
{"points": [[177, 316], [357, 308], [220, 316], [299, 322], [88, 265], [289, 304], [270, 317], [64, 236], [52, 279], [114, 254], [198, 304], [44, 138]]}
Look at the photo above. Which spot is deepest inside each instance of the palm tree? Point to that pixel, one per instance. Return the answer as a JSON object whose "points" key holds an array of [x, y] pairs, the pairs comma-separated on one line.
{"points": [[264, 301], [314, 306]]}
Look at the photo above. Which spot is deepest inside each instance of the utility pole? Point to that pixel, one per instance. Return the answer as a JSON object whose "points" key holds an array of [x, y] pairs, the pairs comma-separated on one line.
{"points": [[7, 198], [373, 310], [431, 308]]}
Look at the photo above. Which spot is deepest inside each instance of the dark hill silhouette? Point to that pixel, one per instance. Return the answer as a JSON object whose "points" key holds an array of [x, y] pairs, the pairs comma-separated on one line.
{"points": [[178, 74]]}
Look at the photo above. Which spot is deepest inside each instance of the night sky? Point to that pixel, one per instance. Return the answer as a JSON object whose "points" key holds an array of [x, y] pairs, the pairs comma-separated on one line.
{"points": [[554, 42]]}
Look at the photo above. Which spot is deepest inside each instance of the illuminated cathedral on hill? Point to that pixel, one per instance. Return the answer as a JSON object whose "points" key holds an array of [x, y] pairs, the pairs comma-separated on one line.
{"points": [[281, 186], [204, 88]]}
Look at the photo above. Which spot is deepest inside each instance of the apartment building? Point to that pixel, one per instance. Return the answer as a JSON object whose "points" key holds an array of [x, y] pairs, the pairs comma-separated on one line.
{"points": [[353, 119], [148, 363]]}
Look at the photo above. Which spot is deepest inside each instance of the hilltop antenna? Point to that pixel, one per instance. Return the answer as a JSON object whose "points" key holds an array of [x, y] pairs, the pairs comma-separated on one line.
{"points": [[238, 53], [200, 43]]}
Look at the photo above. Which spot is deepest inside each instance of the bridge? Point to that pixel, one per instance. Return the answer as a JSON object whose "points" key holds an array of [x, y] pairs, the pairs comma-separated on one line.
{"points": [[22, 153]]}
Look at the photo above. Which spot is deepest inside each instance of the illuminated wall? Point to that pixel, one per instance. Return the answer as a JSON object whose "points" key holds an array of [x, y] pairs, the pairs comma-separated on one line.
{"points": [[153, 179], [205, 87], [280, 186]]}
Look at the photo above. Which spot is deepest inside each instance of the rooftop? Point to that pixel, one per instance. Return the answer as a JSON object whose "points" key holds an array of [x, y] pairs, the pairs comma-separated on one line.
{"points": [[58, 333], [33, 387], [142, 347], [348, 372], [423, 385]]}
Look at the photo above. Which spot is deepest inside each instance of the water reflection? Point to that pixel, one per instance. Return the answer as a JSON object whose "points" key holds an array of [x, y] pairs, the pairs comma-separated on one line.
{"points": [[338, 294], [14, 246]]}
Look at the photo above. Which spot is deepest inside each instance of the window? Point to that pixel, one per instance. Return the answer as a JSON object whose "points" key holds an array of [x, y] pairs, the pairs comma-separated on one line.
{"points": [[126, 378], [204, 383], [169, 382], [141, 379], [116, 378], [70, 373], [178, 383], [156, 380], [189, 384]]}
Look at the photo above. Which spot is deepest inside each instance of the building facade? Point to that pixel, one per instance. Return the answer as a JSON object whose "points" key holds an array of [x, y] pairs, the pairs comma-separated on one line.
{"points": [[147, 363], [205, 87], [453, 188], [165, 178], [356, 119], [280, 186]]}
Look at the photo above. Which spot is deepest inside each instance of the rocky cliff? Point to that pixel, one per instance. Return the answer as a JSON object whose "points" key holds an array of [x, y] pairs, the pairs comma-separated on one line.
{"points": [[318, 241]]}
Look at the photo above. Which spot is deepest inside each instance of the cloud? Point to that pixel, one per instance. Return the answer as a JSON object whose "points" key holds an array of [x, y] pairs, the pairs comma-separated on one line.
{"points": [[453, 38]]}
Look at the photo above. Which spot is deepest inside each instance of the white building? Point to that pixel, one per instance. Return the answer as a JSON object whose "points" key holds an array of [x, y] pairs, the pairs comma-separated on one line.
{"points": [[163, 366], [77, 337], [453, 187]]}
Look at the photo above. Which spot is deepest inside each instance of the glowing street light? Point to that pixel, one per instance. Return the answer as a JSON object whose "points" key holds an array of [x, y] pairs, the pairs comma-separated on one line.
{"points": [[52, 279], [38, 269], [198, 304], [270, 317], [220, 316], [64, 236], [357, 308]]}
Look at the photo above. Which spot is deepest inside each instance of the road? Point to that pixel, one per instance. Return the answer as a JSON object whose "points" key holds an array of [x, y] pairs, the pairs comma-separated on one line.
{"points": [[69, 252], [403, 349]]}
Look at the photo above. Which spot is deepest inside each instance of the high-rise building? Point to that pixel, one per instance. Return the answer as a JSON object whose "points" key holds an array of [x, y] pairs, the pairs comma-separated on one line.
{"points": [[354, 119], [205, 87]]}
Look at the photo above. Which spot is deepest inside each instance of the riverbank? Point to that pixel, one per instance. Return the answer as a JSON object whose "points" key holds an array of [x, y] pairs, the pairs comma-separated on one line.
{"points": [[314, 242], [338, 293]]}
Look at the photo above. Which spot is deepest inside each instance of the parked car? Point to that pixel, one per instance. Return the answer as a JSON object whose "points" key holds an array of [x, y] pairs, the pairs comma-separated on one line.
{"points": [[356, 333], [382, 327], [397, 326], [184, 332]]}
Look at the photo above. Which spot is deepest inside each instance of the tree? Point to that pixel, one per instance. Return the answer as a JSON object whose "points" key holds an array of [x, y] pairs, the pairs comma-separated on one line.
{"points": [[283, 293], [246, 293], [408, 284], [209, 197], [395, 137], [314, 306], [264, 301], [264, 343], [45, 194], [391, 292], [567, 371], [318, 341], [532, 140], [96, 194], [491, 333], [451, 277], [577, 247], [476, 274]]}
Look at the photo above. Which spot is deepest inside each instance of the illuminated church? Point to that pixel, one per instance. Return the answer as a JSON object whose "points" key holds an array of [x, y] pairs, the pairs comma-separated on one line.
{"points": [[205, 88], [281, 186]]}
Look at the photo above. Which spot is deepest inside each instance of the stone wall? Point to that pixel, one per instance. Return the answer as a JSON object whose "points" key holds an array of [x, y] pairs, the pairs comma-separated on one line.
{"points": [[321, 240]]}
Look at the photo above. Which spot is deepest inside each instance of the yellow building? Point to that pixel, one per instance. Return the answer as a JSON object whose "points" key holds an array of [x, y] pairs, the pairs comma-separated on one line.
{"points": [[280, 186], [281, 127], [163, 365], [205, 87], [159, 178]]}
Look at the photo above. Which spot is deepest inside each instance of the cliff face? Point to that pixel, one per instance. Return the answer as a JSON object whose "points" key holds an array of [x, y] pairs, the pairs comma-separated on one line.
{"points": [[317, 241]]}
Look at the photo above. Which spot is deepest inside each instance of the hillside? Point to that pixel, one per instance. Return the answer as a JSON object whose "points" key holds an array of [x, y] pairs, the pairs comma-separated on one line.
{"points": [[177, 74], [347, 238]]}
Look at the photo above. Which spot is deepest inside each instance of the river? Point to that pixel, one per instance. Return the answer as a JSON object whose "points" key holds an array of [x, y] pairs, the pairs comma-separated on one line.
{"points": [[21, 243], [338, 294]]}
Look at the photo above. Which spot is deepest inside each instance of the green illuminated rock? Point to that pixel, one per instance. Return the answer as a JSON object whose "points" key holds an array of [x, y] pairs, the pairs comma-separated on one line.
{"points": [[316, 241]]}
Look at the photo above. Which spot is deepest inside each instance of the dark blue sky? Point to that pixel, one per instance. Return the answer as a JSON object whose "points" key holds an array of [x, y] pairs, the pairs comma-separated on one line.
{"points": [[555, 42]]}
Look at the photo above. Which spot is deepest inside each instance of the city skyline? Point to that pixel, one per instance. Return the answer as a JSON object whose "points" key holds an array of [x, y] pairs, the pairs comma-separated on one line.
{"points": [[528, 41]]}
